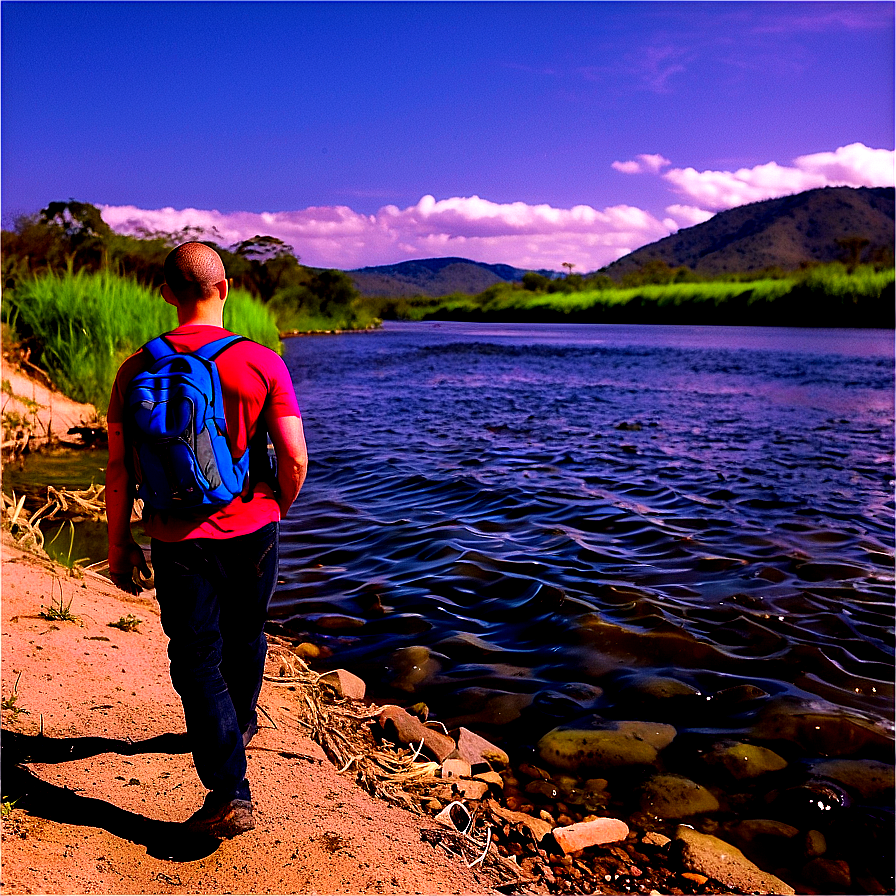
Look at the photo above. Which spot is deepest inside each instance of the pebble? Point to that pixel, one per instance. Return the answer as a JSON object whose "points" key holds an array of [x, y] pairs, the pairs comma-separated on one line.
{"points": [[478, 751], [572, 838], [345, 684], [456, 768], [410, 730], [832, 875]]}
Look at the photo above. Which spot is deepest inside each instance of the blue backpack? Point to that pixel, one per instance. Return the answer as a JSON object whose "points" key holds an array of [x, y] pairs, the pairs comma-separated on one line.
{"points": [[174, 414]]}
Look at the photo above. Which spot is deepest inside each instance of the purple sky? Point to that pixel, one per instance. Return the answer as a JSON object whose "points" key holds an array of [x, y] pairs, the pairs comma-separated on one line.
{"points": [[369, 133]]}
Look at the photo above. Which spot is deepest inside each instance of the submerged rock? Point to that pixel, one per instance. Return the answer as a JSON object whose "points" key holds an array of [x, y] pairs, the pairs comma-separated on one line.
{"points": [[744, 760], [870, 779], [825, 731], [674, 796], [612, 745], [707, 855], [412, 667]]}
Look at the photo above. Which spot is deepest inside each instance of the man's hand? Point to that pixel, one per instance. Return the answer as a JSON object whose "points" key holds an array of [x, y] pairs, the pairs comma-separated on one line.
{"points": [[123, 561]]}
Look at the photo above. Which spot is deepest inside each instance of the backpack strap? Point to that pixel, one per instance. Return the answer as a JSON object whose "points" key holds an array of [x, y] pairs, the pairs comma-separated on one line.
{"points": [[160, 347], [211, 350]]}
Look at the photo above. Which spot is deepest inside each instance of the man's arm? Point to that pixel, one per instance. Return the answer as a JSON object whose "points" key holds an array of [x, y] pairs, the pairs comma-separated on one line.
{"points": [[288, 438], [124, 553]]}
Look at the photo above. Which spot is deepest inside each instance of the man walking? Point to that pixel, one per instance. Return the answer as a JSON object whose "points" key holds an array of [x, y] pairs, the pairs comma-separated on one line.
{"points": [[215, 566]]}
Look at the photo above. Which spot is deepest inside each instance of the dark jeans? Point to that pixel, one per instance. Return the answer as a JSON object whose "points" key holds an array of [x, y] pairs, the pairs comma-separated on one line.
{"points": [[213, 595]]}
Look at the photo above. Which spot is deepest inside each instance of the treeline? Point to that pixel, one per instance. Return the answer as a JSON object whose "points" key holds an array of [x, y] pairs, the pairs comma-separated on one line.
{"points": [[72, 236], [833, 295]]}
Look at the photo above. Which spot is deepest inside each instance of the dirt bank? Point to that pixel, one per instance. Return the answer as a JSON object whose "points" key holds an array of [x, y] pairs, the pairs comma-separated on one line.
{"points": [[34, 414], [94, 759]]}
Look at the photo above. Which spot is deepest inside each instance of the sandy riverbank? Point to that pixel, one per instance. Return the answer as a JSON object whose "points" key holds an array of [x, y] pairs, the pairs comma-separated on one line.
{"points": [[100, 794]]}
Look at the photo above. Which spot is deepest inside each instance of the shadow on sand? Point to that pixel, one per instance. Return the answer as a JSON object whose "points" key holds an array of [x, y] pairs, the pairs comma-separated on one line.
{"points": [[166, 840]]}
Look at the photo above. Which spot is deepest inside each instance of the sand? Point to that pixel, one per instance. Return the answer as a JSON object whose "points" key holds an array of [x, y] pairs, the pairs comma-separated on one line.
{"points": [[95, 760]]}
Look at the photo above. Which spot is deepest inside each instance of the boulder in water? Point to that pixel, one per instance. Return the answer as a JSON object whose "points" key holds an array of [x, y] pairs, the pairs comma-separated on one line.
{"points": [[674, 796], [611, 745], [744, 760]]}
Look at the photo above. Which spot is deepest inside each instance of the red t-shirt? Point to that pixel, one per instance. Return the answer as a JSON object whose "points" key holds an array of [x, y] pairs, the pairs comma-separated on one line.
{"points": [[254, 380]]}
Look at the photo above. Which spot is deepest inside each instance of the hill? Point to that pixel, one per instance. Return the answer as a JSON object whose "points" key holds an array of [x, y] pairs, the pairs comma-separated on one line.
{"points": [[434, 277], [784, 233]]}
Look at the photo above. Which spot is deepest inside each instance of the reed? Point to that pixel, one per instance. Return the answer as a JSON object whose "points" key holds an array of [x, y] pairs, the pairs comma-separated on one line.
{"points": [[84, 325]]}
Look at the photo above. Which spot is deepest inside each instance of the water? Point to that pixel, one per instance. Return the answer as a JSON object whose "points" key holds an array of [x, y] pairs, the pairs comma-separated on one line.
{"points": [[529, 527], [561, 503]]}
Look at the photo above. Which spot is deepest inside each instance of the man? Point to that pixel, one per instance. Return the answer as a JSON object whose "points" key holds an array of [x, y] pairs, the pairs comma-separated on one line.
{"points": [[214, 572]]}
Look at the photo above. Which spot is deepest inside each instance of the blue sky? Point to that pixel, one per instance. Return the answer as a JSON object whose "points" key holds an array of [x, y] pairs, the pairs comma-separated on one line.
{"points": [[368, 133]]}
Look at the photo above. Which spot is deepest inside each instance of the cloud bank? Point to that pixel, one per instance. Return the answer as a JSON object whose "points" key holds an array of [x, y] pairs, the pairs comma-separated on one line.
{"points": [[516, 233]]}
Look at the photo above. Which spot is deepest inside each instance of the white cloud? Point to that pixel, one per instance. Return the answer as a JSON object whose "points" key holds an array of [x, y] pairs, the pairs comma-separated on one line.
{"points": [[687, 215], [646, 163], [526, 236], [855, 165], [516, 233]]}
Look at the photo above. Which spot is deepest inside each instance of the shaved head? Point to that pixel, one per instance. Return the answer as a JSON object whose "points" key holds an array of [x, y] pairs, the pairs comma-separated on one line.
{"points": [[192, 271]]}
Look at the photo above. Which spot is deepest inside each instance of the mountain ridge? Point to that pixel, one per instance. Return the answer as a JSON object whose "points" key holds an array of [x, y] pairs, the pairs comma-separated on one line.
{"points": [[785, 232]]}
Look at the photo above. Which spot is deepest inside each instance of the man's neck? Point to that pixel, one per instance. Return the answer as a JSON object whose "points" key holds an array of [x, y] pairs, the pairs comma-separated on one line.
{"points": [[200, 314]]}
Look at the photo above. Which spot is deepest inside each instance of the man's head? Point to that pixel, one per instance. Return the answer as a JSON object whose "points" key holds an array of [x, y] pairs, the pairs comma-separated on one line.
{"points": [[193, 272]]}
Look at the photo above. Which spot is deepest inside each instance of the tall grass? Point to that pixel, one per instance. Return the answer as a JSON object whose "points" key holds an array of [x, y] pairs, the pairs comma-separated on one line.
{"points": [[84, 325]]}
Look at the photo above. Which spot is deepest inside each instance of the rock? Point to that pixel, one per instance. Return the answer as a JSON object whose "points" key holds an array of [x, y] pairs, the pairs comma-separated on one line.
{"points": [[814, 844], [611, 745], [493, 779], [655, 838], [412, 667], [345, 684], [409, 730], [656, 687], [827, 732], [743, 761], [456, 768], [544, 789], [813, 804], [869, 778], [490, 707], [590, 833], [832, 875], [478, 751], [698, 879], [596, 785], [461, 788], [767, 842], [307, 651], [537, 828], [707, 855], [337, 622], [674, 796]]}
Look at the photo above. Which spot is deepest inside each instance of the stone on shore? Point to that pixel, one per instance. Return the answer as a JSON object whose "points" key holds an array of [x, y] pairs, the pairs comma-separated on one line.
{"points": [[574, 837], [411, 731], [456, 768], [478, 751], [461, 788], [716, 859], [345, 684], [869, 778], [538, 828]]}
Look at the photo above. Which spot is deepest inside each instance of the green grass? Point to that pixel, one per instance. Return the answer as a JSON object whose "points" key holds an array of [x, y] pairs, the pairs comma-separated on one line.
{"points": [[822, 296], [129, 623], [84, 325]]}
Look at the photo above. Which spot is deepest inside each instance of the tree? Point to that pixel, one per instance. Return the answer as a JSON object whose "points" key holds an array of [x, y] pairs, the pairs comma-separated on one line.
{"points": [[569, 266], [853, 246], [80, 228], [272, 265]]}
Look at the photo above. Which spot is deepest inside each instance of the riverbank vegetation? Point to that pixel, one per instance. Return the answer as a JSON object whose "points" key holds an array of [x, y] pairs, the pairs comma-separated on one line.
{"points": [[834, 295], [81, 326], [81, 297]]}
